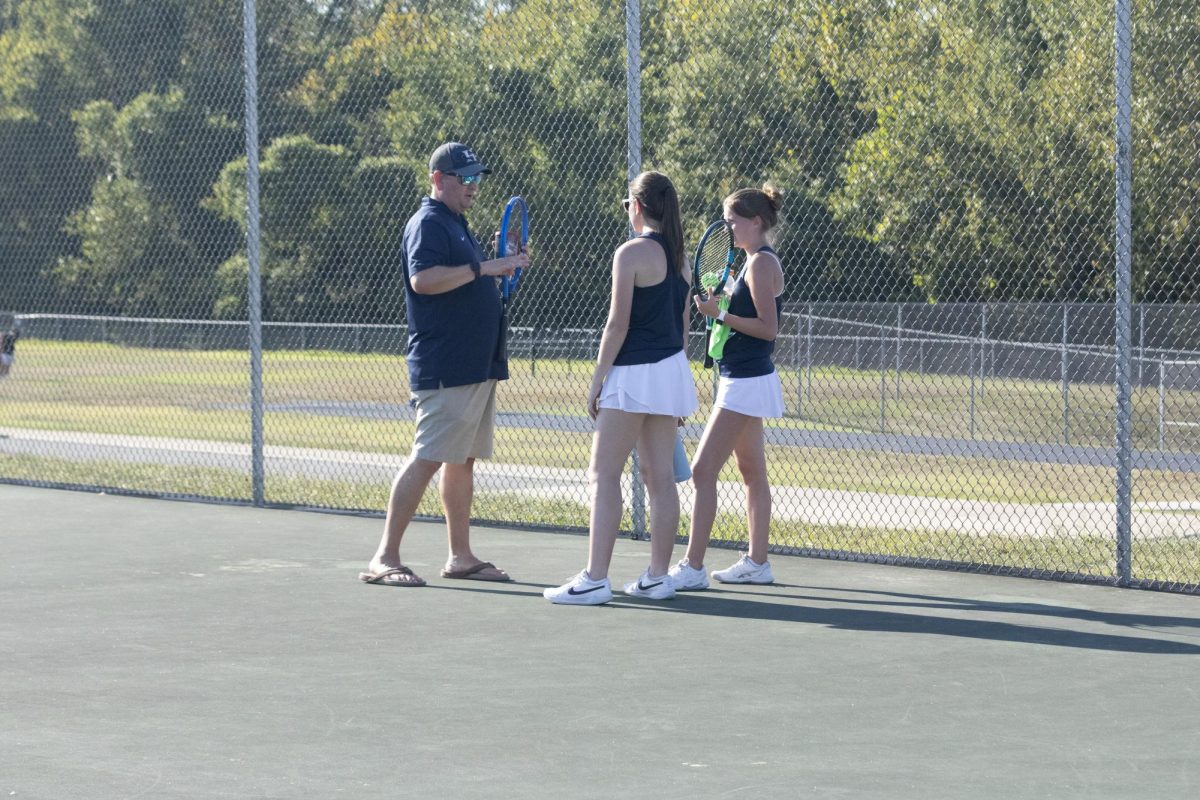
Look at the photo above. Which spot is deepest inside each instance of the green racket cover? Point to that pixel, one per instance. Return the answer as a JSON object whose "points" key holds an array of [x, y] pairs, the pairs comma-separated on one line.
{"points": [[720, 332]]}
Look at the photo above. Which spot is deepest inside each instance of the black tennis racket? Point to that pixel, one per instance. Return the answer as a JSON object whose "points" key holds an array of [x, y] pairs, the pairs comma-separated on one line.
{"points": [[514, 237], [710, 268]]}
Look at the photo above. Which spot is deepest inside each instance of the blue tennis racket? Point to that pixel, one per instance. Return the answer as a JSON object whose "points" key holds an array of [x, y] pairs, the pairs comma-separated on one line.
{"points": [[514, 237], [710, 269]]}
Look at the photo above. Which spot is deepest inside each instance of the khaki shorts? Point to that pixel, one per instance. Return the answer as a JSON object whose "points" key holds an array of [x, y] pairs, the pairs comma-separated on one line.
{"points": [[455, 423]]}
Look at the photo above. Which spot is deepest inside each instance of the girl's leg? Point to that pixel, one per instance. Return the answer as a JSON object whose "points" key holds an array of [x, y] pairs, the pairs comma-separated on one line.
{"points": [[750, 451], [718, 441], [616, 433], [656, 457]]}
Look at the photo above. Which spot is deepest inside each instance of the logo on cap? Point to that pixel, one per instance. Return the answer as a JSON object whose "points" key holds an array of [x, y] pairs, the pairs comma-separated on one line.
{"points": [[456, 157]]}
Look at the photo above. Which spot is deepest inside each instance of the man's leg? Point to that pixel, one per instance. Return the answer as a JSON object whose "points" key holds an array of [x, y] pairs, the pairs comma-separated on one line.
{"points": [[407, 489], [458, 490]]}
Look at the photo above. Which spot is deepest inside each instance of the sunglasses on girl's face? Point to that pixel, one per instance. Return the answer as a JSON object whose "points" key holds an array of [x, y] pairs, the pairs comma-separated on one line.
{"points": [[626, 203], [467, 179]]}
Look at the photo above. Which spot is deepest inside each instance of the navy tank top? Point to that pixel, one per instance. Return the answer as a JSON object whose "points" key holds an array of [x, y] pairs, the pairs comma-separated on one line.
{"points": [[747, 356], [656, 315]]}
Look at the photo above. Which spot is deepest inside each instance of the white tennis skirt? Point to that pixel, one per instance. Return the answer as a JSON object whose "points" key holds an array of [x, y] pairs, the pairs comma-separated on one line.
{"points": [[761, 396], [664, 387]]}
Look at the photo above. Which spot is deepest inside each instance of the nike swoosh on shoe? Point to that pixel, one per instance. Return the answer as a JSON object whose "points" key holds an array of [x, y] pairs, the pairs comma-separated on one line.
{"points": [[585, 591], [648, 588]]}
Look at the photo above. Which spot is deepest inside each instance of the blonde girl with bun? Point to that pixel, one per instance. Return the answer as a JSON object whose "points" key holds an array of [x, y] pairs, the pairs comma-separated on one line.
{"points": [[748, 392]]}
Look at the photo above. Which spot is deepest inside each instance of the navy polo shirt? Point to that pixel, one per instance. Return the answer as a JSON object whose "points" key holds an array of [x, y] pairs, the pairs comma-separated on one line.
{"points": [[454, 338]]}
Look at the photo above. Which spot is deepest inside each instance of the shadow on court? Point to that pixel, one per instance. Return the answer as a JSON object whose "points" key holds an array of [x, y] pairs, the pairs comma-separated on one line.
{"points": [[163, 649], [768, 604]]}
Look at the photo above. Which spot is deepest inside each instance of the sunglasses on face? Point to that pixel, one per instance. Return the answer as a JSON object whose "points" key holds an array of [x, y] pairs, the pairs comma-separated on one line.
{"points": [[467, 180], [626, 203]]}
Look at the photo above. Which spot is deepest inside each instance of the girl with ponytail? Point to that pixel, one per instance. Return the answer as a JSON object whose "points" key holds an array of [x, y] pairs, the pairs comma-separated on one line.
{"points": [[641, 386]]}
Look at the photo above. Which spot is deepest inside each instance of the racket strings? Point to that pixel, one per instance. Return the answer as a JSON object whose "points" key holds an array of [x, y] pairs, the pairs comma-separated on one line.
{"points": [[714, 257]]}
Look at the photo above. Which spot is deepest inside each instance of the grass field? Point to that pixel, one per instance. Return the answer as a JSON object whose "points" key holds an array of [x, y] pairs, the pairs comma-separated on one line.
{"points": [[202, 395], [1176, 562]]}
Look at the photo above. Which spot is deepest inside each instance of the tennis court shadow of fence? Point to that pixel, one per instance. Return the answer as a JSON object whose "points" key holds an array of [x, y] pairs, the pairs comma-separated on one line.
{"points": [[846, 615], [1031, 608]]}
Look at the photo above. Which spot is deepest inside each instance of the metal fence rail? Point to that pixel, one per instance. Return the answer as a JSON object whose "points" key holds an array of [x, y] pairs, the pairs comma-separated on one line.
{"points": [[991, 334]]}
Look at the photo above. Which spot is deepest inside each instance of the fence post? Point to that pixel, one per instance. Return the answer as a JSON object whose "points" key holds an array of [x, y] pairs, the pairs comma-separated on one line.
{"points": [[971, 370], [882, 382], [899, 328], [795, 364], [254, 288], [633, 114], [1141, 345], [1065, 386], [1124, 264], [533, 354], [808, 340], [983, 337], [1162, 405]]}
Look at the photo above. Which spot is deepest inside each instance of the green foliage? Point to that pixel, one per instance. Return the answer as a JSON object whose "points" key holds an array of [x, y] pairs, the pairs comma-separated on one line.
{"points": [[330, 242], [985, 112], [145, 243], [950, 151]]}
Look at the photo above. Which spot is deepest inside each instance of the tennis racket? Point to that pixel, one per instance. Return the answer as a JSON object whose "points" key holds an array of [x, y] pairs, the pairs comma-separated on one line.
{"points": [[710, 269], [514, 237]]}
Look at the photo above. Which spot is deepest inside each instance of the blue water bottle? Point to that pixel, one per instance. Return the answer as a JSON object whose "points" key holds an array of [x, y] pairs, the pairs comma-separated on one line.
{"points": [[683, 470]]}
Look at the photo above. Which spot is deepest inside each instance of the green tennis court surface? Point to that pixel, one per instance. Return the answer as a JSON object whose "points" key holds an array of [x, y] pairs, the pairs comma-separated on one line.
{"points": [[170, 650]]}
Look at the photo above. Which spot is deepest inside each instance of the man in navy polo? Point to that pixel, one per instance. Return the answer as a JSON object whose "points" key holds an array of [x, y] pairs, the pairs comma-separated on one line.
{"points": [[455, 357]]}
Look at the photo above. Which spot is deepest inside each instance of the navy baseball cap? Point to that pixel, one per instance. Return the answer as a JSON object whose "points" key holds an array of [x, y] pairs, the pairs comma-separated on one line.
{"points": [[457, 158]]}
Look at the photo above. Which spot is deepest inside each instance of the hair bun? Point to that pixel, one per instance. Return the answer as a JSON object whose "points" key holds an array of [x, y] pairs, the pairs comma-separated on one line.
{"points": [[774, 196]]}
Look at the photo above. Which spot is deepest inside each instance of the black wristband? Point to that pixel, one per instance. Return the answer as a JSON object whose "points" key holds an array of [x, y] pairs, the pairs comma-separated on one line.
{"points": [[475, 267]]}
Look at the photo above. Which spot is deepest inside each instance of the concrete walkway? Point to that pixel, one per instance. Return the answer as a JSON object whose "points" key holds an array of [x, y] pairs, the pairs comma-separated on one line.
{"points": [[816, 506]]}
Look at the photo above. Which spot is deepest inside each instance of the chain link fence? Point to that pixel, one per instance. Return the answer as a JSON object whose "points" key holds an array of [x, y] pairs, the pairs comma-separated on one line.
{"points": [[988, 363]]}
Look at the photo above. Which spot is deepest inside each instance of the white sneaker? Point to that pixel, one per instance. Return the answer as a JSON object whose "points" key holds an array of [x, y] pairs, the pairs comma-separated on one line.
{"points": [[746, 571], [580, 591], [660, 588], [687, 578]]}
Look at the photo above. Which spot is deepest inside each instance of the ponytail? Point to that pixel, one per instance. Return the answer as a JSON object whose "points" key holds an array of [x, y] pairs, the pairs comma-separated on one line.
{"points": [[657, 196]]}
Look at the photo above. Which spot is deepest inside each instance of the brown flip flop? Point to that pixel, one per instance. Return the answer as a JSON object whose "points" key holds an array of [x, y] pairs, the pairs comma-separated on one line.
{"points": [[473, 573], [382, 578]]}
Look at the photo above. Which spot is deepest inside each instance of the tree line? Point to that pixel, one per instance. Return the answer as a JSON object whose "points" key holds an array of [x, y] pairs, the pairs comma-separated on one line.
{"points": [[929, 151]]}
